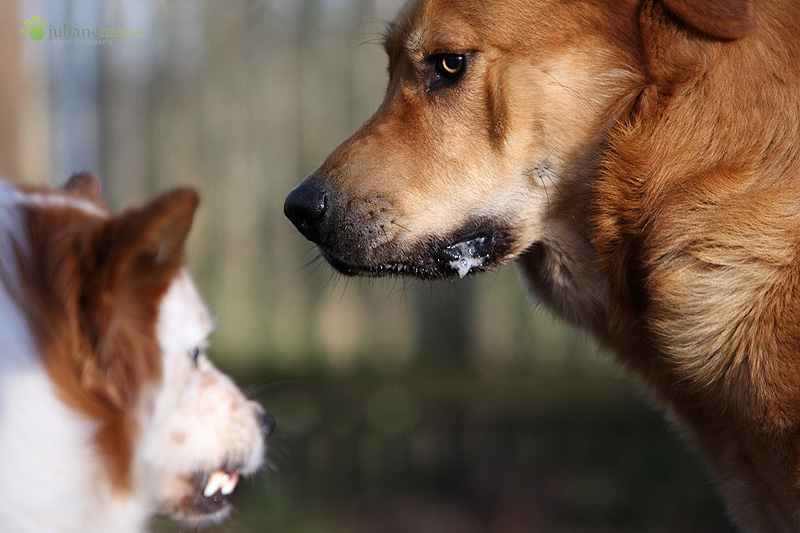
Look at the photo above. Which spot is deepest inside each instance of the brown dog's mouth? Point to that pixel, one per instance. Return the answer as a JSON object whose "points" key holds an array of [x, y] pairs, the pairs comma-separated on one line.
{"points": [[353, 236], [464, 252], [464, 256]]}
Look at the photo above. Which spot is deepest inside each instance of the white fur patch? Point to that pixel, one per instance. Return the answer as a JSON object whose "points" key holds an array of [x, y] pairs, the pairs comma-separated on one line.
{"points": [[49, 472], [201, 420], [41, 199]]}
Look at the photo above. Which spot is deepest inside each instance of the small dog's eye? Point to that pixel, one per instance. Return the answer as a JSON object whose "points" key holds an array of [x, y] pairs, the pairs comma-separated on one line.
{"points": [[449, 66], [194, 353]]}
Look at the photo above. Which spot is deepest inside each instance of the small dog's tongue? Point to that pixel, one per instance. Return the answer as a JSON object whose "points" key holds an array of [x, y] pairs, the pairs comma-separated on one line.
{"points": [[221, 481]]}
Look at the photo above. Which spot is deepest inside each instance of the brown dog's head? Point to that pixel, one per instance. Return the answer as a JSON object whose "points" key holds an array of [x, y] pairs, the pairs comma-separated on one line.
{"points": [[493, 119]]}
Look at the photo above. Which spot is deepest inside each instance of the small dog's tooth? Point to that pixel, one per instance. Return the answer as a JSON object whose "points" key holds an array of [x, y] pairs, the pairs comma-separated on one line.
{"points": [[216, 480], [230, 484]]}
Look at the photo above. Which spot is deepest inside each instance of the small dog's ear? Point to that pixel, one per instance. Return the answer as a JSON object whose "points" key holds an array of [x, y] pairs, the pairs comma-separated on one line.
{"points": [[84, 184], [157, 231], [723, 19], [138, 254]]}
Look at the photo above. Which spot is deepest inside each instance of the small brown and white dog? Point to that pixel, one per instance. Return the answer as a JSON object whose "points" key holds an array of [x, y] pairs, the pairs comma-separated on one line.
{"points": [[110, 412], [640, 159]]}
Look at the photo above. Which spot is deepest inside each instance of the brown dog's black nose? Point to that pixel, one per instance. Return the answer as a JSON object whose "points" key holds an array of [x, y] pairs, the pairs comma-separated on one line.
{"points": [[305, 207]]}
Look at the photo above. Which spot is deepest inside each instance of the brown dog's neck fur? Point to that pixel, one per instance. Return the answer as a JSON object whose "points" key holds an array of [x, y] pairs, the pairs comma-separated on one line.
{"points": [[694, 296], [689, 313], [638, 180]]}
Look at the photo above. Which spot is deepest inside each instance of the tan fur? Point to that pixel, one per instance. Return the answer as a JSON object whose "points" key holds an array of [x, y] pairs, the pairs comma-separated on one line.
{"points": [[641, 160]]}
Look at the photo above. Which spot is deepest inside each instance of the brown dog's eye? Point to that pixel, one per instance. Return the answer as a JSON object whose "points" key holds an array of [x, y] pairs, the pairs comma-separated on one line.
{"points": [[451, 65], [445, 69]]}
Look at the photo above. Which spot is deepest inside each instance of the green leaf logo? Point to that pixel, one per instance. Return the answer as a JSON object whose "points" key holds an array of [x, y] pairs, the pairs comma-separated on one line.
{"points": [[34, 28]]}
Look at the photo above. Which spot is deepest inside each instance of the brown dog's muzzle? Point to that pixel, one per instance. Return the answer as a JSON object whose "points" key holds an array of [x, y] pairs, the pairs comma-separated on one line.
{"points": [[356, 243]]}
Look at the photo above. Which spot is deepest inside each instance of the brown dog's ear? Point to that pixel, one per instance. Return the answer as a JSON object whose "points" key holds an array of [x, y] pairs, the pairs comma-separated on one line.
{"points": [[723, 19], [84, 184]]}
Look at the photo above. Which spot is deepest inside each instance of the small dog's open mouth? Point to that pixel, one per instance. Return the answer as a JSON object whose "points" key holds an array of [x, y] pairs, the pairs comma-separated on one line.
{"points": [[213, 493]]}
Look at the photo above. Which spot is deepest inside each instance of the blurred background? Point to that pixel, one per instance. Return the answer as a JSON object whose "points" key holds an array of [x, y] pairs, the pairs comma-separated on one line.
{"points": [[402, 406]]}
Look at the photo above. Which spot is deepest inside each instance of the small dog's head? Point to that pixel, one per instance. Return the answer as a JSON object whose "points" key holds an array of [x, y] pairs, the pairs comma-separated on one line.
{"points": [[201, 433], [492, 126], [123, 331]]}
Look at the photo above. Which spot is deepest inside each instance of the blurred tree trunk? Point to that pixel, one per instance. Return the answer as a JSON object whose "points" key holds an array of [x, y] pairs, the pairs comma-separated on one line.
{"points": [[306, 60], [10, 90]]}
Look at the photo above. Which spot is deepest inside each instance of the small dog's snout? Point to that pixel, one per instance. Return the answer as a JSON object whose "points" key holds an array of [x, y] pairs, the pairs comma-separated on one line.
{"points": [[266, 423], [305, 207]]}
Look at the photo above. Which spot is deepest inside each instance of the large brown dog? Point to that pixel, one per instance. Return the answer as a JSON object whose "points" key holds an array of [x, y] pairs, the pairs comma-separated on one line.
{"points": [[641, 161]]}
